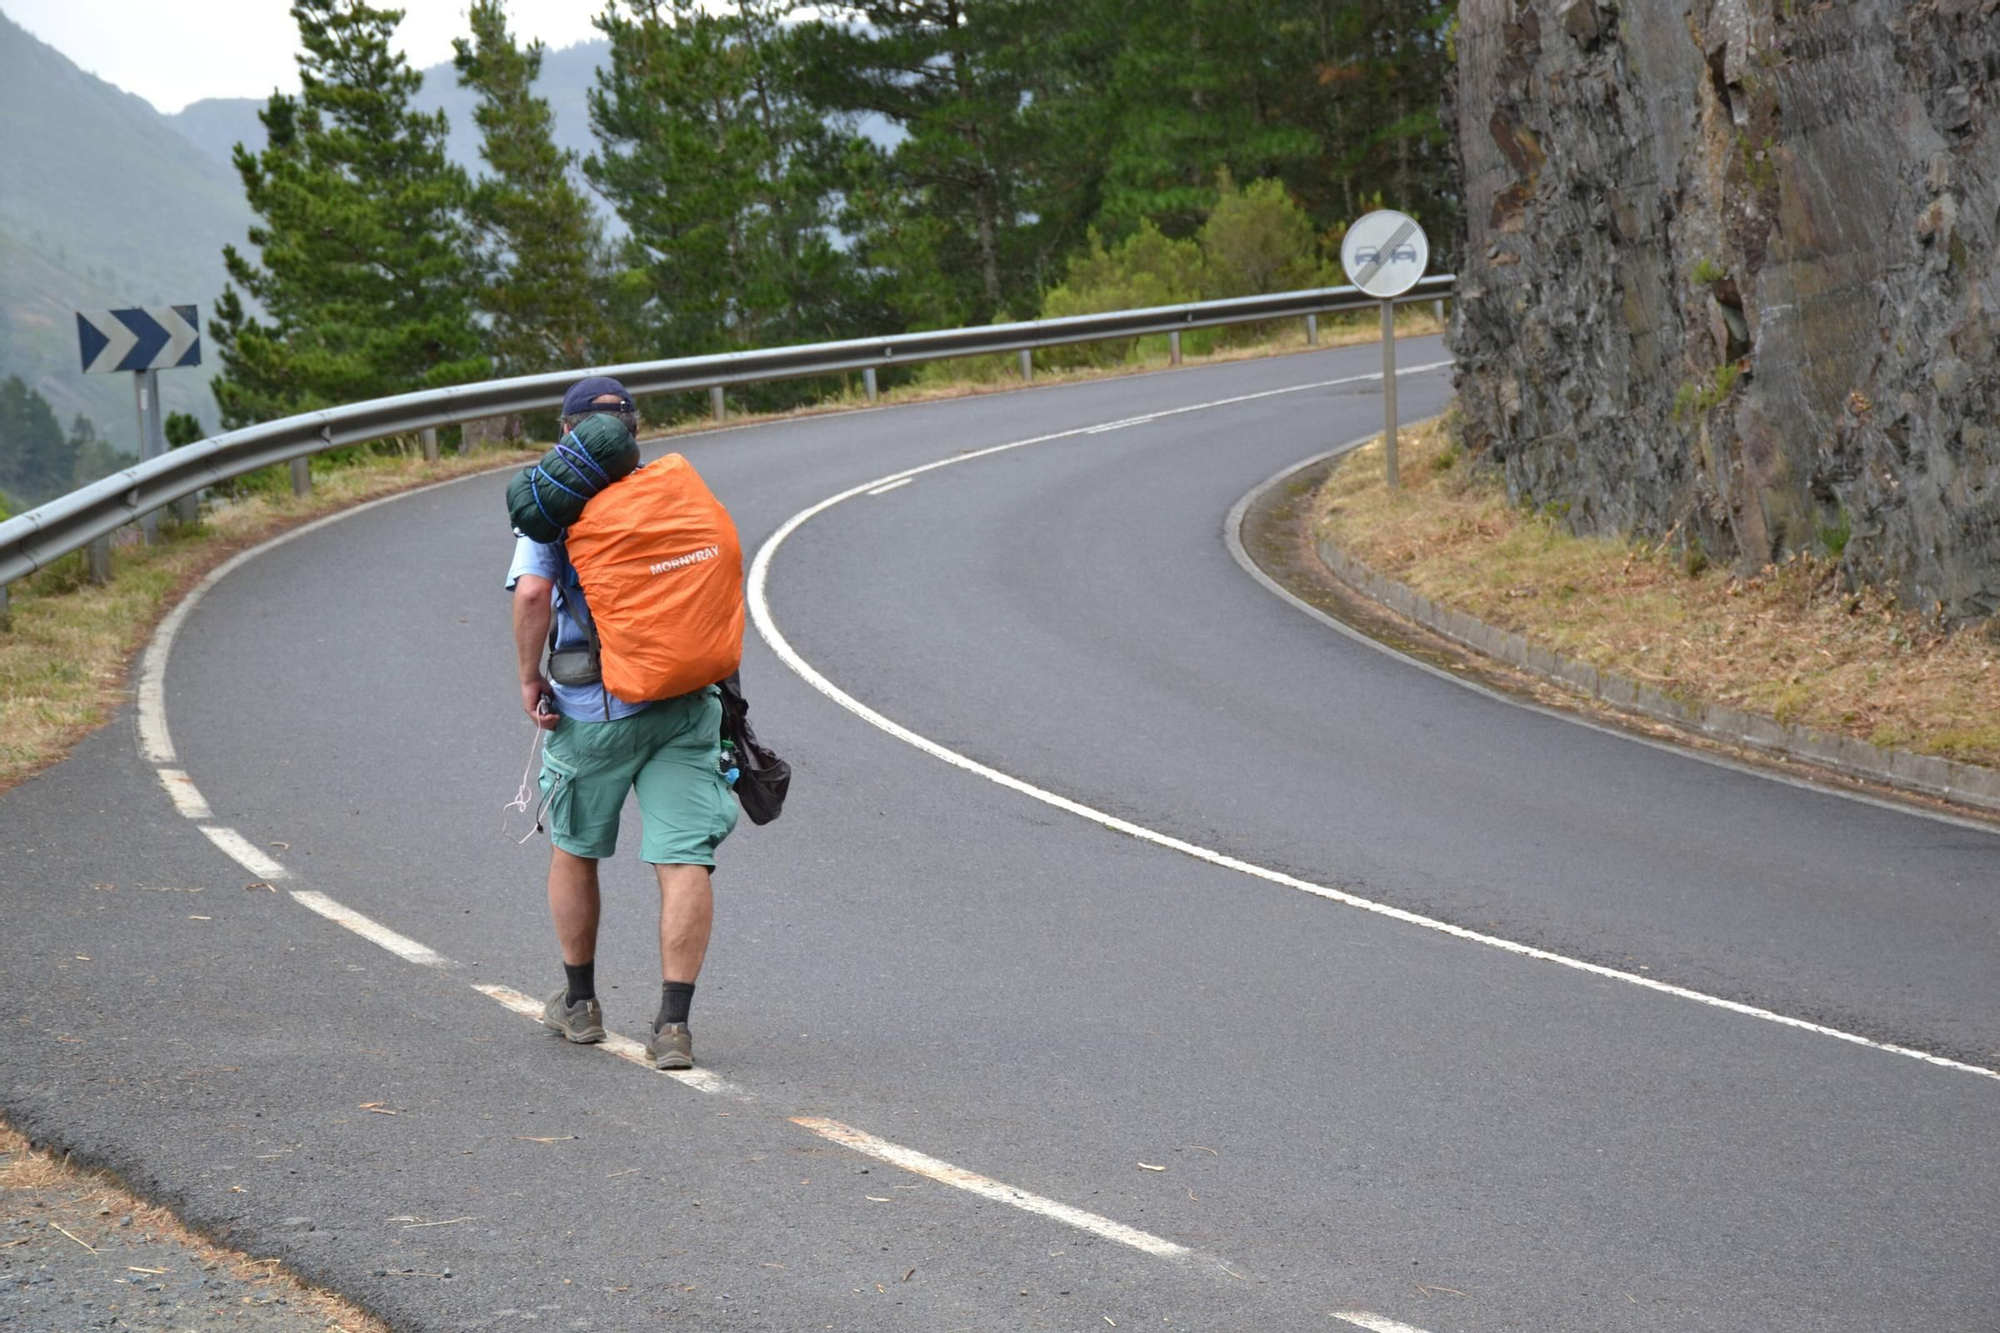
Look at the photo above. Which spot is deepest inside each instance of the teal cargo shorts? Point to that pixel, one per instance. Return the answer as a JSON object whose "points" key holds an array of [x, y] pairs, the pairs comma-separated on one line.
{"points": [[667, 755]]}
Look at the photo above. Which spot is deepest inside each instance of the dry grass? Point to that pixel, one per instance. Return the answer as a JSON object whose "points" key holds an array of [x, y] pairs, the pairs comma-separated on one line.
{"points": [[65, 665], [88, 1204], [1789, 641]]}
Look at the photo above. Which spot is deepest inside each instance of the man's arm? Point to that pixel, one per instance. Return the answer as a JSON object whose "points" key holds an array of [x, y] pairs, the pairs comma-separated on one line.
{"points": [[531, 630]]}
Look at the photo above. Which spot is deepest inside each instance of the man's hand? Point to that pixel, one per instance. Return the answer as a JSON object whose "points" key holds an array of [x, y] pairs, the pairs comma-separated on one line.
{"points": [[535, 699]]}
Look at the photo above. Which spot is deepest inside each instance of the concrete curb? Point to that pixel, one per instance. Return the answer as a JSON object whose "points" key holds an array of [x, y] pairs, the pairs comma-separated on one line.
{"points": [[1928, 775]]}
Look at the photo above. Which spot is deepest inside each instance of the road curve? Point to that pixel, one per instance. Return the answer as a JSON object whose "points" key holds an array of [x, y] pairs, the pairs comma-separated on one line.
{"points": [[1354, 1115]]}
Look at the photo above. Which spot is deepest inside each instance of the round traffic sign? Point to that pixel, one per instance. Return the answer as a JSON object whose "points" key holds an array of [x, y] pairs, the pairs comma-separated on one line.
{"points": [[1385, 253]]}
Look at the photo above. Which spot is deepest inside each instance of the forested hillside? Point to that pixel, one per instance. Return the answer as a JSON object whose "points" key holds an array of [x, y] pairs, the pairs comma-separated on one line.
{"points": [[105, 205]]}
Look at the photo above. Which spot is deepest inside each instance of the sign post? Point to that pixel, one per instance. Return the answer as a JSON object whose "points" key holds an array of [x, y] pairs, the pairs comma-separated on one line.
{"points": [[1385, 253], [144, 340]]}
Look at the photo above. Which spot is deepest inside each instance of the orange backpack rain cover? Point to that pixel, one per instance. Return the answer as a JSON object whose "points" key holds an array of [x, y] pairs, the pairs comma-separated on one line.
{"points": [[663, 574]]}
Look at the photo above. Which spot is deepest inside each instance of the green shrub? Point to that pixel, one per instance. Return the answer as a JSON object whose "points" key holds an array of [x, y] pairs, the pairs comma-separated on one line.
{"points": [[1145, 269], [1258, 240]]}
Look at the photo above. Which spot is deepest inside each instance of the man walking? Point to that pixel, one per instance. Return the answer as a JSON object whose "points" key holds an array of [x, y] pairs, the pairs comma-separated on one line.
{"points": [[599, 748]]}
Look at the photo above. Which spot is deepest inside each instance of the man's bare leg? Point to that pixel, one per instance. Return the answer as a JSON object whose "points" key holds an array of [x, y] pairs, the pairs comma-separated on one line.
{"points": [[573, 903], [687, 912]]}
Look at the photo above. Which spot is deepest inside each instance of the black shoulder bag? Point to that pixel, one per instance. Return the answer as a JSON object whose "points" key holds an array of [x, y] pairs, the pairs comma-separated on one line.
{"points": [[762, 778]]}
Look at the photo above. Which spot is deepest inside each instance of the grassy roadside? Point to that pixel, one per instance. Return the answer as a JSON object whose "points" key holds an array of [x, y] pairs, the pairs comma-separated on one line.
{"points": [[1789, 641], [65, 665]]}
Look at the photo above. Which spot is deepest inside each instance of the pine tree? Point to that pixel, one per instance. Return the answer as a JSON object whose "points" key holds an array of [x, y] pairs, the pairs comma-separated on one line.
{"points": [[35, 460], [722, 174], [538, 238], [956, 198], [1338, 99], [91, 455], [361, 273]]}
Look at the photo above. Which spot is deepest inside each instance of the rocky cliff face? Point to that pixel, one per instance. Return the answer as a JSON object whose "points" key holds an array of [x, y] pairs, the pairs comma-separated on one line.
{"points": [[1732, 272]]}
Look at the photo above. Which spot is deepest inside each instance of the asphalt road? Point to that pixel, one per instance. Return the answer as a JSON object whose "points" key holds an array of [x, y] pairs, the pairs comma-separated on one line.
{"points": [[1353, 1113]]}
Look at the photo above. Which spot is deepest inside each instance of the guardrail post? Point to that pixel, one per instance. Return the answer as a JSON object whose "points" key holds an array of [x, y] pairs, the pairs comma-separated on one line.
{"points": [[715, 405], [6, 616], [1438, 306], [99, 556], [1173, 347], [302, 477], [430, 444], [1312, 330], [1027, 365], [868, 379]]}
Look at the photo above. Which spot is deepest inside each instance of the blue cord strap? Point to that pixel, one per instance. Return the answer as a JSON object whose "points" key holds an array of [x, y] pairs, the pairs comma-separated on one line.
{"points": [[543, 473], [536, 491], [580, 459]]}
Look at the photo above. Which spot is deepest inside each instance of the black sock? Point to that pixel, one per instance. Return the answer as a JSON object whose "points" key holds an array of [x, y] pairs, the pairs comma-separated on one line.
{"points": [[675, 997], [582, 982]]}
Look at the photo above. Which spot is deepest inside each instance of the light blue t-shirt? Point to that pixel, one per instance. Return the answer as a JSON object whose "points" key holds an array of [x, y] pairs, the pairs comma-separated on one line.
{"points": [[583, 703]]}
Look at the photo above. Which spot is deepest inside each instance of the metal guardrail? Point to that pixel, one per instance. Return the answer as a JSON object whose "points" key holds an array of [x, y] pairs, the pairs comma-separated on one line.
{"points": [[30, 541]]}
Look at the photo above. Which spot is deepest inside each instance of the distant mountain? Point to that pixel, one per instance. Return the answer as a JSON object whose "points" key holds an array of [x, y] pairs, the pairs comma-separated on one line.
{"points": [[218, 124], [106, 204]]}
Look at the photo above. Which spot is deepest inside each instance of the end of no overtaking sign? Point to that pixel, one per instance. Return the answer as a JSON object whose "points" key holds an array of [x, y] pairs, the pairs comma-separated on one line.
{"points": [[1385, 253]]}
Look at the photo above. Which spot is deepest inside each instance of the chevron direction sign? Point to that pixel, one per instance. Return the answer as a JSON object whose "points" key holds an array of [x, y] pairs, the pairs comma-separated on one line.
{"points": [[154, 337]]}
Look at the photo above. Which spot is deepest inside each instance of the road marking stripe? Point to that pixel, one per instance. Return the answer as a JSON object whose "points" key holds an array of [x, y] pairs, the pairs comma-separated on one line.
{"points": [[760, 612], [1374, 1322], [613, 1044], [240, 849], [370, 929], [884, 490], [958, 1177], [186, 797]]}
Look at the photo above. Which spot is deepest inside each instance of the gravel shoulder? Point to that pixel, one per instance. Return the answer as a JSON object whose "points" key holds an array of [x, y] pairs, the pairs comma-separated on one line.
{"points": [[78, 1252]]}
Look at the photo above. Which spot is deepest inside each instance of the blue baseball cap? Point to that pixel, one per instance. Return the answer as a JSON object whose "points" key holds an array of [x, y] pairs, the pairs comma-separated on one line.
{"points": [[580, 400]]}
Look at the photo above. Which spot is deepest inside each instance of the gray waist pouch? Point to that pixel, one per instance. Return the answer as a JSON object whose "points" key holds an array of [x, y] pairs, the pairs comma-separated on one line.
{"points": [[575, 666]]}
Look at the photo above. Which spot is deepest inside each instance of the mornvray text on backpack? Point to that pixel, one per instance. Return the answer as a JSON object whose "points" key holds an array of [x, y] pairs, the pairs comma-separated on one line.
{"points": [[662, 573]]}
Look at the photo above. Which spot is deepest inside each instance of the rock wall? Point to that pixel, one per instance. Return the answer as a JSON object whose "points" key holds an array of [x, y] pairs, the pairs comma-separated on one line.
{"points": [[1730, 274]]}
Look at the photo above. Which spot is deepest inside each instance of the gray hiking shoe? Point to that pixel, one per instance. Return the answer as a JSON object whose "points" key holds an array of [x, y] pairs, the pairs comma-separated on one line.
{"points": [[582, 1022], [672, 1047]]}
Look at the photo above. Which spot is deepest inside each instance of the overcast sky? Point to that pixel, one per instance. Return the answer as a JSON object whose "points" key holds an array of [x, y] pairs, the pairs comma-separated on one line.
{"points": [[173, 54]]}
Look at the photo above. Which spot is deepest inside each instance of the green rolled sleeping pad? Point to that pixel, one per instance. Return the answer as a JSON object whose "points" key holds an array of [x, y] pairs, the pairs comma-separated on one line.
{"points": [[543, 500]]}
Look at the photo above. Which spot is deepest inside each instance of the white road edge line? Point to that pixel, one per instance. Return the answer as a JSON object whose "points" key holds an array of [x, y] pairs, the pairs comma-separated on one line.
{"points": [[760, 613], [242, 851], [959, 1178], [370, 929], [1232, 536], [614, 1044], [156, 743], [884, 490], [186, 797], [1373, 1322]]}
